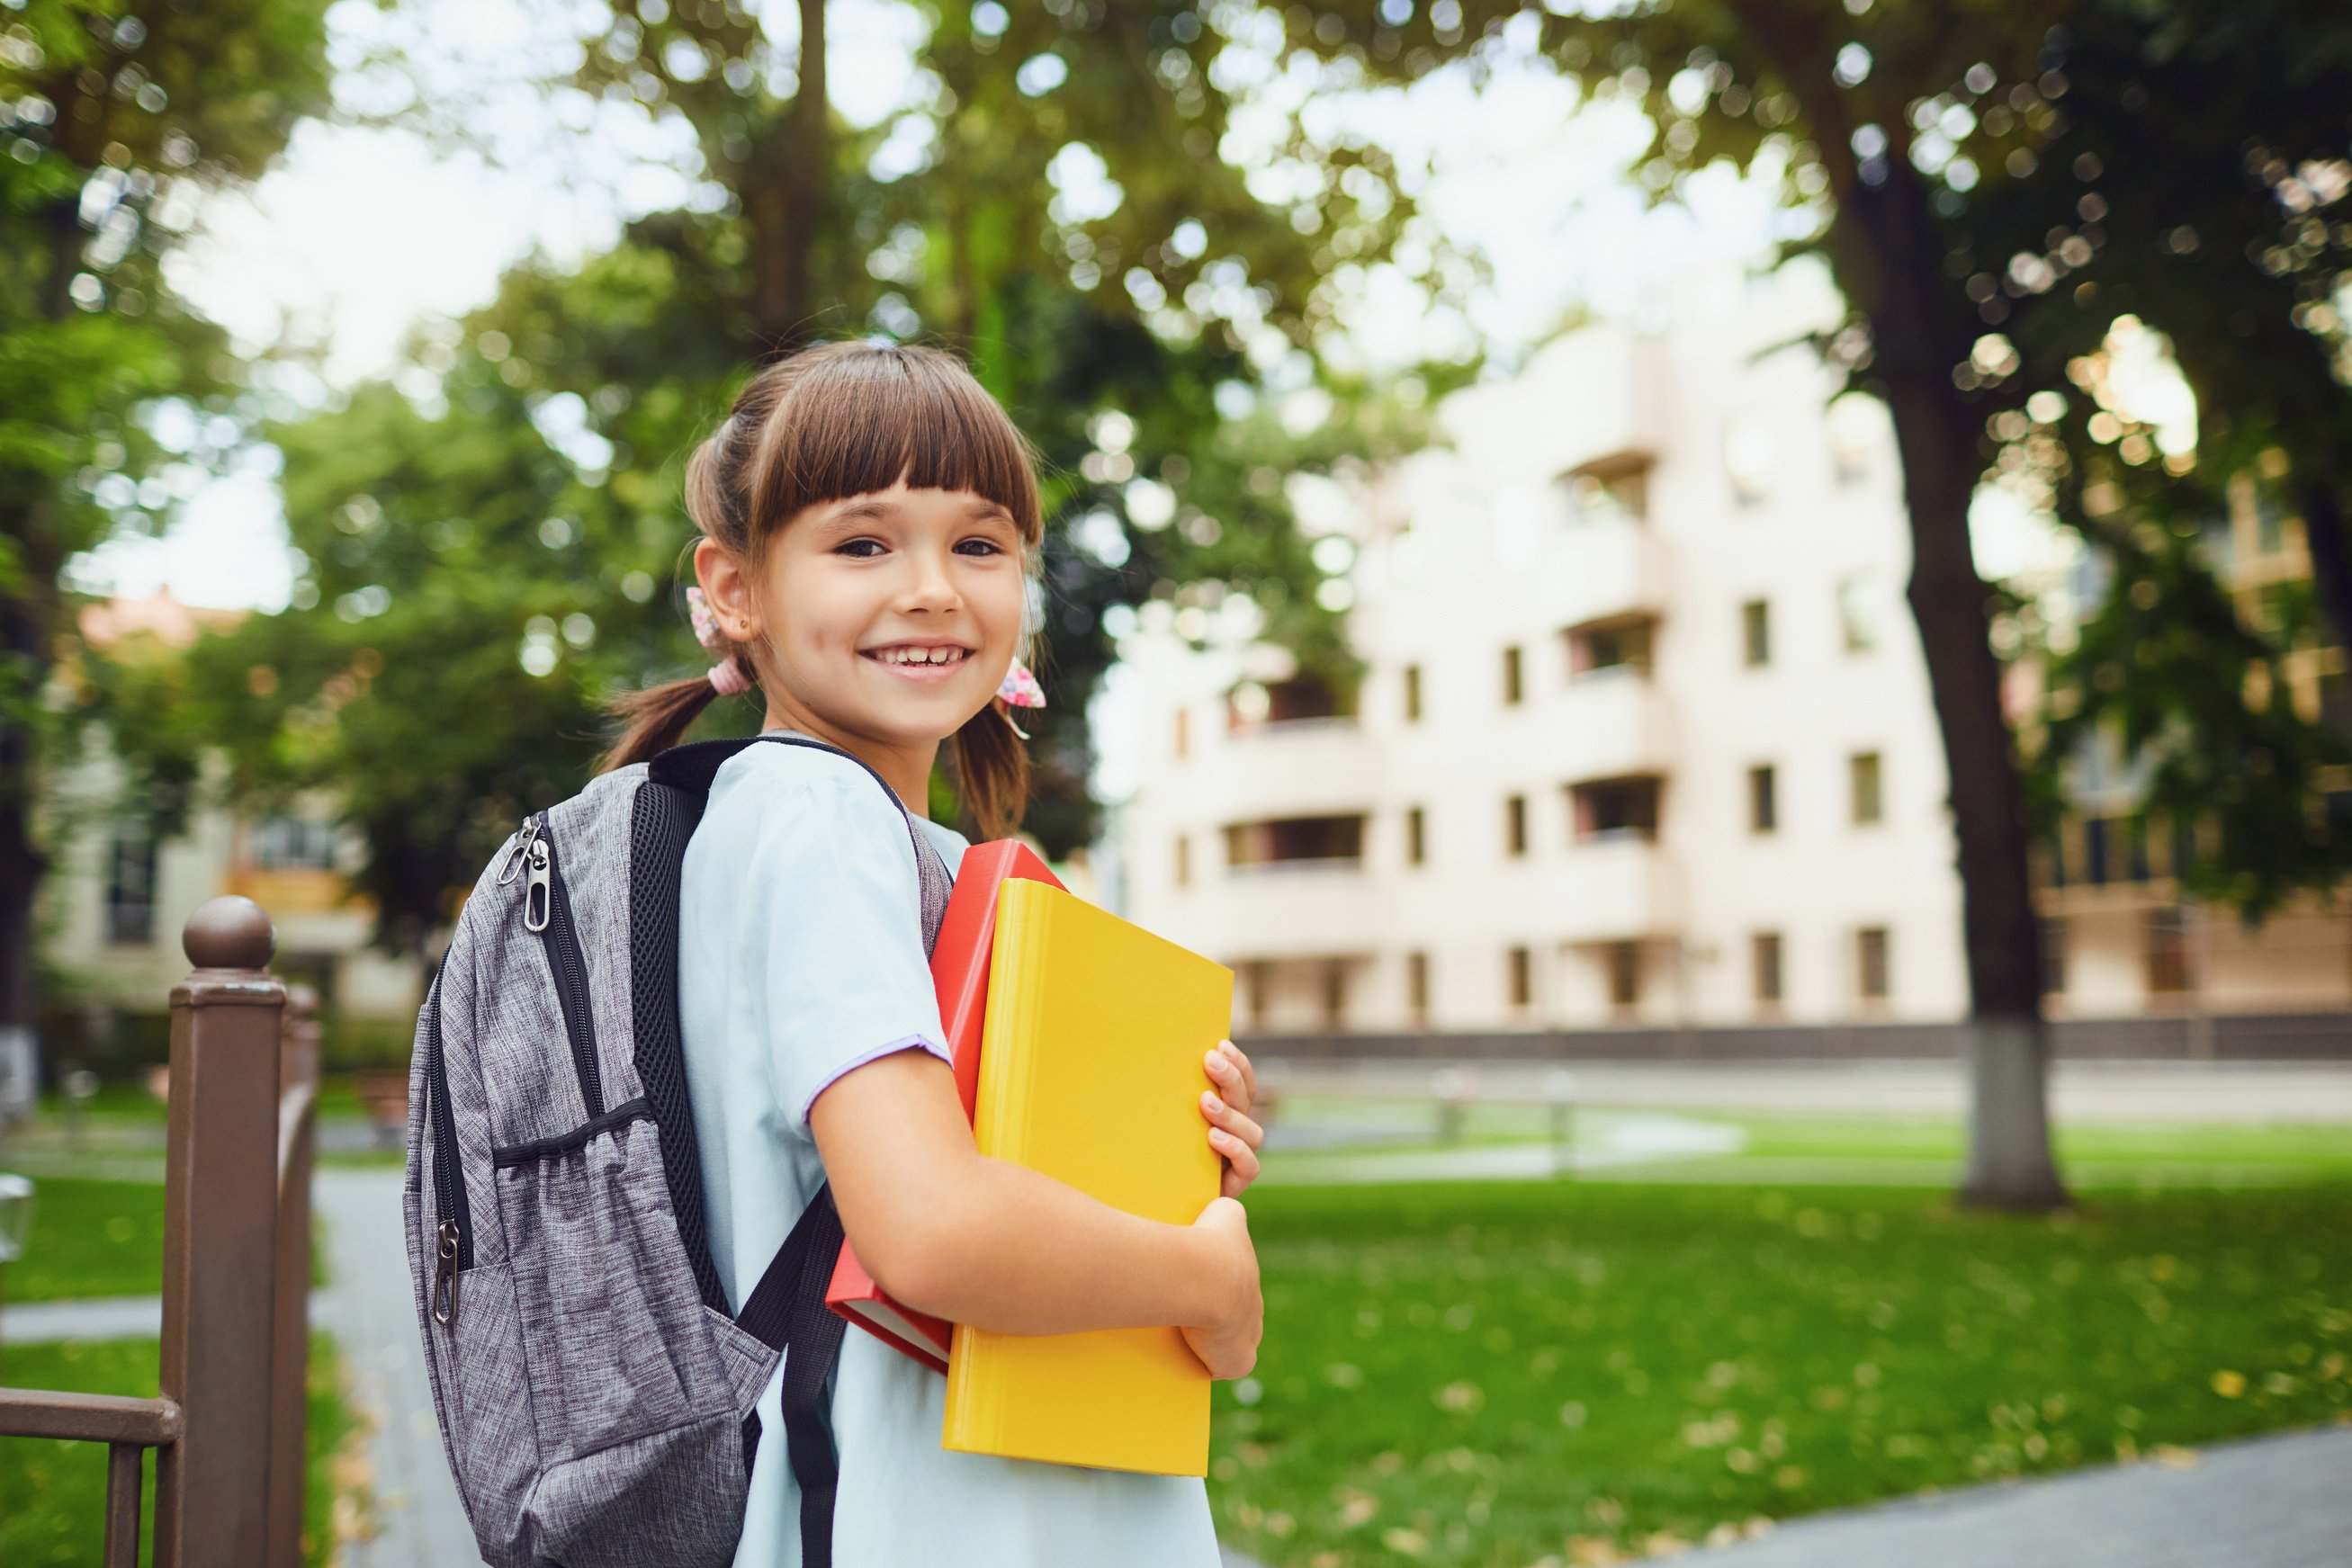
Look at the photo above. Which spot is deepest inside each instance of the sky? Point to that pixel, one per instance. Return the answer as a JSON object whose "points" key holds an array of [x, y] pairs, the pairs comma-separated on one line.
{"points": [[398, 212]]}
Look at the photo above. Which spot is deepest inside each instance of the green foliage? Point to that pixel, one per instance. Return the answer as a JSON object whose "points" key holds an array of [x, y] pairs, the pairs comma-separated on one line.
{"points": [[1501, 1374], [1111, 315], [2178, 160]]}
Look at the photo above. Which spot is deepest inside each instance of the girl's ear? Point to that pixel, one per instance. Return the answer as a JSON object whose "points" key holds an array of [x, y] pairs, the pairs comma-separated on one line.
{"points": [[726, 584]]}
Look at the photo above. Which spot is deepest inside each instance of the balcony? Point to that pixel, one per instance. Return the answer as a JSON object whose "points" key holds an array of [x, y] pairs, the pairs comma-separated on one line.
{"points": [[1602, 567], [1296, 766], [1612, 887], [1282, 909], [1612, 722]]}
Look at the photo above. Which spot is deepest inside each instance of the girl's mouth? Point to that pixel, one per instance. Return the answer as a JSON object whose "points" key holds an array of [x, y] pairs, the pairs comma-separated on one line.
{"points": [[918, 660]]}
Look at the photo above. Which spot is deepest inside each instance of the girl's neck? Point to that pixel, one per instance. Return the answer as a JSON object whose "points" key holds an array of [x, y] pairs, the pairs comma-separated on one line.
{"points": [[906, 769]]}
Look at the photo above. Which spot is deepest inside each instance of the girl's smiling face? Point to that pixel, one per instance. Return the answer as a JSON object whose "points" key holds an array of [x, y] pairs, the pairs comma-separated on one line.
{"points": [[887, 619]]}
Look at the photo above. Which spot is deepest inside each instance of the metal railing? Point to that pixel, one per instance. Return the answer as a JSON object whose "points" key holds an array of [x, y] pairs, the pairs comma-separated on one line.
{"points": [[227, 1425]]}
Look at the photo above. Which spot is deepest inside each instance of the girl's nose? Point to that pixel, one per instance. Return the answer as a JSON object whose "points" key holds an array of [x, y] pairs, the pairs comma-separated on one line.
{"points": [[931, 587]]}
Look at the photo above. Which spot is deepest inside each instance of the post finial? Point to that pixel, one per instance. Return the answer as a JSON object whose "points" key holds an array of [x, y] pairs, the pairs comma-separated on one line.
{"points": [[229, 932]]}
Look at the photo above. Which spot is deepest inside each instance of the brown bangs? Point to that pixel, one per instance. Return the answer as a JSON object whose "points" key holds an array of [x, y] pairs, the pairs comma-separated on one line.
{"points": [[857, 418]]}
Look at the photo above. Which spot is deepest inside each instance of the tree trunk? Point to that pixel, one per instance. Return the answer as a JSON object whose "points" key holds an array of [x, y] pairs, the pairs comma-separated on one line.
{"points": [[2331, 555], [24, 617], [786, 208], [2010, 1164]]}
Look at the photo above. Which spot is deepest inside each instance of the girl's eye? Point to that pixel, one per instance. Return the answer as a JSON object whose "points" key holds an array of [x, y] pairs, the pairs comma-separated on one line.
{"points": [[860, 548], [979, 547]]}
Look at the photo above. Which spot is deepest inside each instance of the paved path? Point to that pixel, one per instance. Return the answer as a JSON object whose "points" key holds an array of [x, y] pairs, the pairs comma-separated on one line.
{"points": [[85, 1321], [2270, 1502], [368, 1307]]}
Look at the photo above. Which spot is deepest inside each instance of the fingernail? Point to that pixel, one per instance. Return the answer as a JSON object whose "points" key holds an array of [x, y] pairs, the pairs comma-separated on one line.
{"points": [[1211, 1102]]}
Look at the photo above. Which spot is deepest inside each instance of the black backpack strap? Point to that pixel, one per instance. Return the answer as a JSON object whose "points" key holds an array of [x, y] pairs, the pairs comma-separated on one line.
{"points": [[785, 1309]]}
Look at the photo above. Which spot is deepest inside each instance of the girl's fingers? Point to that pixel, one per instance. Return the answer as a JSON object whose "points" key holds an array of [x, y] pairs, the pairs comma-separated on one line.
{"points": [[1232, 1121], [1241, 1161], [1232, 1074]]}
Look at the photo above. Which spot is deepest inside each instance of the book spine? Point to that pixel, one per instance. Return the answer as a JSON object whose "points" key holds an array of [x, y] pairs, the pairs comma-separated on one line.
{"points": [[1000, 1127]]}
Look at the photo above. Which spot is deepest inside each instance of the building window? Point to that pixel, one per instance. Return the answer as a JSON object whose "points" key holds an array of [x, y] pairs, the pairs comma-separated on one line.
{"points": [[1623, 645], [1288, 840], [1183, 860], [1756, 633], [1624, 976], [2053, 954], [1615, 808], [2094, 852], [1763, 800], [1764, 955], [1412, 694], [1305, 695], [292, 843], [1514, 676], [130, 887], [1871, 976], [1751, 452], [1868, 806], [1515, 826], [1183, 734], [1522, 978], [1257, 984], [2167, 951], [1334, 994], [1416, 836], [1614, 490], [1857, 619], [1416, 987]]}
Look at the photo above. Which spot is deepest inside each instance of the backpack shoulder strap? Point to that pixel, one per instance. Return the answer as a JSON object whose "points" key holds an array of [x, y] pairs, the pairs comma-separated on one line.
{"points": [[786, 1309]]}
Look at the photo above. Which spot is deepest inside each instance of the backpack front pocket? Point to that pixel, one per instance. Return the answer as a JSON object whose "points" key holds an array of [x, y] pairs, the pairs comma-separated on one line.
{"points": [[610, 1315]]}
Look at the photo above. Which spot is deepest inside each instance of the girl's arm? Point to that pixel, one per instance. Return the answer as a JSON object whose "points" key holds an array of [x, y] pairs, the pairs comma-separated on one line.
{"points": [[953, 1233]]}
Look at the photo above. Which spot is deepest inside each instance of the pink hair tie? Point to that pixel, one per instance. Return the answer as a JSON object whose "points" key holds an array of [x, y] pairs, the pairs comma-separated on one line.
{"points": [[728, 679], [726, 676]]}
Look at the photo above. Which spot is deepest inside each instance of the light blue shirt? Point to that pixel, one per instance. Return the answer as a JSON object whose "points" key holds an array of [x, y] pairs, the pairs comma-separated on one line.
{"points": [[801, 959]]}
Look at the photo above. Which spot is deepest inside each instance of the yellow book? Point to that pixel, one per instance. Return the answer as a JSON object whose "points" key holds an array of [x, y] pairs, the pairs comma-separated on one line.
{"points": [[1091, 1073]]}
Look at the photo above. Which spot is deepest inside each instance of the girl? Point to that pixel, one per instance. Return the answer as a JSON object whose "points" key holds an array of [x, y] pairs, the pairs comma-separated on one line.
{"points": [[867, 516]]}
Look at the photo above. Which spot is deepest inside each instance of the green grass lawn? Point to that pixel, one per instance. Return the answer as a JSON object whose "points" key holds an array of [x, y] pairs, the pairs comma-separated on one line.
{"points": [[1511, 1374], [89, 1239], [53, 1495]]}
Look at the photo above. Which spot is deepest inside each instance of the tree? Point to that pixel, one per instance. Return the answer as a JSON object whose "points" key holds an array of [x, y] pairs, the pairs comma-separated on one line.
{"points": [[1944, 151], [117, 116], [1064, 219], [2190, 196]]}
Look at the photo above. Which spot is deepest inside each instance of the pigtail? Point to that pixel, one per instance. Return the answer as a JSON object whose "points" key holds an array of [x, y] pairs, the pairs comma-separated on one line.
{"points": [[655, 719], [991, 772]]}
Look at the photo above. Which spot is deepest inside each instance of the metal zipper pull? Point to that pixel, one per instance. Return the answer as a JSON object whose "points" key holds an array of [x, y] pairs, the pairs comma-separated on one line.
{"points": [[444, 1275], [521, 851], [537, 893]]}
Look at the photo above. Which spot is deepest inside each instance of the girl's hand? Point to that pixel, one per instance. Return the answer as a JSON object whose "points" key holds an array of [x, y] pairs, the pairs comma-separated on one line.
{"points": [[1227, 1345], [1227, 1108]]}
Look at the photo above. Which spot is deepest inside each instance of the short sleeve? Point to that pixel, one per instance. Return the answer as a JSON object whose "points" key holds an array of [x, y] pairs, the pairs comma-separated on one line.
{"points": [[832, 923]]}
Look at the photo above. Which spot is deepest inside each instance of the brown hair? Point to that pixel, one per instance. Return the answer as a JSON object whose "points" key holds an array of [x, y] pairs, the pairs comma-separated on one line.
{"points": [[829, 422]]}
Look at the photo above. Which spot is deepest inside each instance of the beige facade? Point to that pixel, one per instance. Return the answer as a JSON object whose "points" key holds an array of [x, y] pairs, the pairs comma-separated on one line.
{"points": [[1643, 735], [117, 896]]}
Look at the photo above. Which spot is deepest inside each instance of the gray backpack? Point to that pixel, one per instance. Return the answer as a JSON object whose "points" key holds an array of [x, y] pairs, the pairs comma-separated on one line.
{"points": [[595, 1391]]}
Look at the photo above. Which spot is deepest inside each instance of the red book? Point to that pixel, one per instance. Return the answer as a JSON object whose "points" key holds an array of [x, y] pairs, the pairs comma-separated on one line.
{"points": [[959, 973]]}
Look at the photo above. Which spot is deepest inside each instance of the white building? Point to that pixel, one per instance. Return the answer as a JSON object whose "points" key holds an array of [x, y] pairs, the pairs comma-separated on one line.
{"points": [[1643, 735]]}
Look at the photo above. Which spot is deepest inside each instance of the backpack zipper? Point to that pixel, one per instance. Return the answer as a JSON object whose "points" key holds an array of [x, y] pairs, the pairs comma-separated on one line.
{"points": [[546, 910], [452, 1236]]}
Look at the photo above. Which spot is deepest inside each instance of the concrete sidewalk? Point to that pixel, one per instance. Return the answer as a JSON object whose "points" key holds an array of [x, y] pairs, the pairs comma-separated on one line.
{"points": [[368, 1307], [2267, 1503]]}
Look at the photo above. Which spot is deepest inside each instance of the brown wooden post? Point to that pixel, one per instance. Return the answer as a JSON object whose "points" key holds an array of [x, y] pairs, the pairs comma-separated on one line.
{"points": [[220, 1222], [298, 1098]]}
